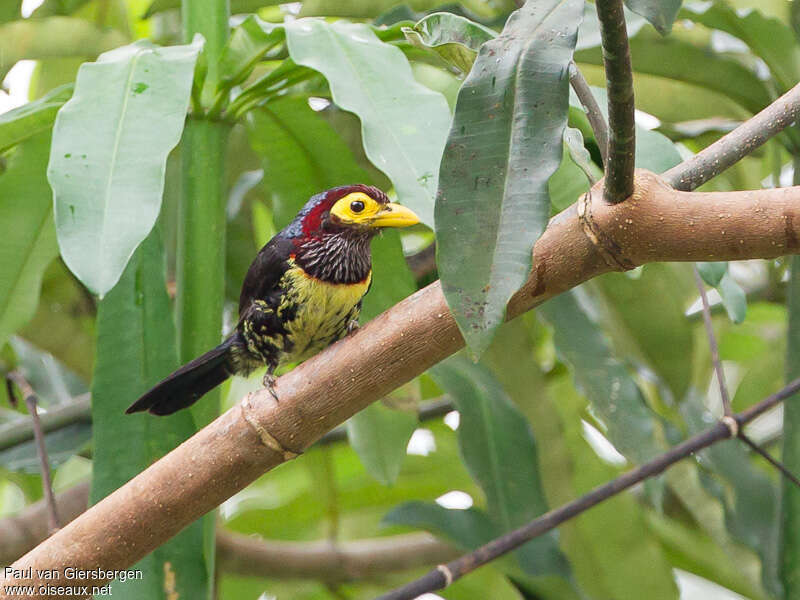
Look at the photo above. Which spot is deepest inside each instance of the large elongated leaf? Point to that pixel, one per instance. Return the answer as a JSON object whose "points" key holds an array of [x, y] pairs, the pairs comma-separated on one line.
{"points": [[767, 37], [109, 151], [668, 57], [404, 124], [380, 435], [499, 450], [136, 348], [27, 234], [34, 117], [615, 397], [504, 145], [661, 13], [53, 37]]}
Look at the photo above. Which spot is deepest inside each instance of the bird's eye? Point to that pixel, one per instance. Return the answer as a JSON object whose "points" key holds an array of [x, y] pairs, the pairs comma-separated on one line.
{"points": [[356, 206]]}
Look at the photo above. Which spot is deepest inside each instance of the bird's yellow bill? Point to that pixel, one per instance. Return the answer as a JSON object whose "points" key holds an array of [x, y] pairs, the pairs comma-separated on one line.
{"points": [[394, 215]]}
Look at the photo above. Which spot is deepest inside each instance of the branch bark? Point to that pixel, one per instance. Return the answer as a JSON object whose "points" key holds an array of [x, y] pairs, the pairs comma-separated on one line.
{"points": [[592, 237], [254, 557]]}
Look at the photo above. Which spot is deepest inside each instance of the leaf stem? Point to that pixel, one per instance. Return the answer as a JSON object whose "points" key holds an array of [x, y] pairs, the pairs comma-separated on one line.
{"points": [[596, 119], [621, 108]]}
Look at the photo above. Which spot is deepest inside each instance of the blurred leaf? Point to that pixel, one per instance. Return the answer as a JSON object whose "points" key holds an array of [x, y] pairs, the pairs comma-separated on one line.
{"points": [[749, 497], [380, 435], [504, 145], [237, 6], [53, 37], [694, 552], [498, 448], [27, 235], [789, 549], [301, 153], [456, 39], [61, 444], [136, 348], [733, 297], [110, 145], [468, 528], [573, 141], [248, 43], [10, 10], [58, 7], [712, 272], [768, 38], [610, 548], [404, 124], [53, 381], [34, 117], [668, 57], [362, 9], [615, 398], [647, 319], [661, 13], [589, 33]]}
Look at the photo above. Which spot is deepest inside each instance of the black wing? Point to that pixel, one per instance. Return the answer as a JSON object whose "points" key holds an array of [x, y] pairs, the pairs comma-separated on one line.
{"points": [[266, 270]]}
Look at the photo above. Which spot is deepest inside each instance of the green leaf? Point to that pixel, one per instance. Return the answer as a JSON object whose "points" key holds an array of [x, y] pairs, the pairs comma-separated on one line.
{"points": [[504, 145], [109, 151], [712, 272], [404, 124], [468, 528], [654, 151], [380, 436], [248, 43], [237, 6], [61, 444], [498, 448], [589, 33], [27, 234], [135, 348], [614, 395], [301, 154], [21, 123], [53, 37], [750, 498], [610, 549], [573, 142], [53, 381], [733, 298], [661, 13], [456, 39], [11, 10], [768, 38], [668, 57]]}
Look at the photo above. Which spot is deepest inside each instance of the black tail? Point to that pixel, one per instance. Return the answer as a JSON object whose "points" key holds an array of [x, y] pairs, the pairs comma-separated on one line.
{"points": [[186, 385]]}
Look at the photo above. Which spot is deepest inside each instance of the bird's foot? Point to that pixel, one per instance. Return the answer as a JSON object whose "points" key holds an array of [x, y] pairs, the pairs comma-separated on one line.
{"points": [[269, 383], [352, 327]]}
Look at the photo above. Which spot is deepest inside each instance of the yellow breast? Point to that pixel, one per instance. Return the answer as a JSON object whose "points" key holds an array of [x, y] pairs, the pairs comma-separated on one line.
{"points": [[322, 310]]}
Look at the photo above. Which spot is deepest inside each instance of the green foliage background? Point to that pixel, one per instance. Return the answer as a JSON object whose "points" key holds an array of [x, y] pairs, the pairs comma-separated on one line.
{"points": [[597, 380]]}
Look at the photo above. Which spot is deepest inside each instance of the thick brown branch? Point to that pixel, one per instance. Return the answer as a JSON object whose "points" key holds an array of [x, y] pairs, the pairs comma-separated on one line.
{"points": [[656, 224], [444, 575], [248, 556], [740, 142], [621, 109]]}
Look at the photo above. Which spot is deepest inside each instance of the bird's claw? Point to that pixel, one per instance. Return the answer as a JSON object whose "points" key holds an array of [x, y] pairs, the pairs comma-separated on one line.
{"points": [[352, 327], [269, 383]]}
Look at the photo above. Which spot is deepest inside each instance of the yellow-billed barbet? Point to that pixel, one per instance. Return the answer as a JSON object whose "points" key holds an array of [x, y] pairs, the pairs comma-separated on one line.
{"points": [[302, 292]]}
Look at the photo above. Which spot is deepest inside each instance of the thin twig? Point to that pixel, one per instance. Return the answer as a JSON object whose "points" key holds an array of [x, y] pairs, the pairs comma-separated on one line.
{"points": [[593, 112], [742, 141], [446, 574], [712, 344], [41, 449], [621, 109], [768, 457]]}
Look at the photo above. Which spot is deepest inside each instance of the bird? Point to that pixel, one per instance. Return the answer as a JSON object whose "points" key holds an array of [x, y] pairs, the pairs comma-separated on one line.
{"points": [[302, 292]]}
